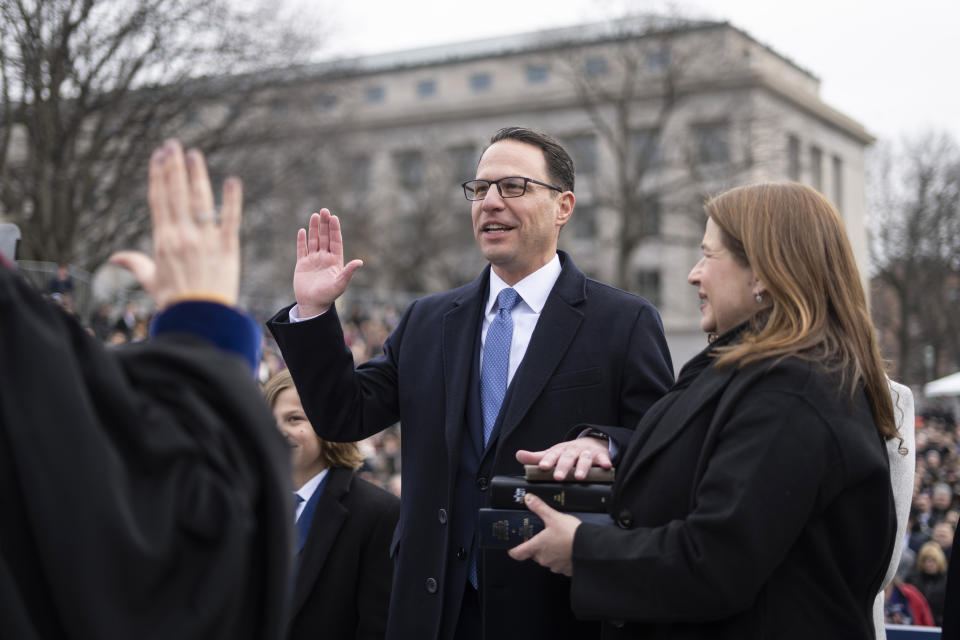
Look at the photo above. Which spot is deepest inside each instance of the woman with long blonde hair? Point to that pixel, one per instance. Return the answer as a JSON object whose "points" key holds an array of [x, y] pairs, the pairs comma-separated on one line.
{"points": [[753, 500]]}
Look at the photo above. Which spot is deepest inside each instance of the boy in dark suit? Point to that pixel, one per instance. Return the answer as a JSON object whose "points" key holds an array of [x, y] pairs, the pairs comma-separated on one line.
{"points": [[343, 571]]}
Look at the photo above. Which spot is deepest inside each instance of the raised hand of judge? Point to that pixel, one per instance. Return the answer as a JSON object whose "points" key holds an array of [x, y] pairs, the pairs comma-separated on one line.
{"points": [[320, 276], [196, 253]]}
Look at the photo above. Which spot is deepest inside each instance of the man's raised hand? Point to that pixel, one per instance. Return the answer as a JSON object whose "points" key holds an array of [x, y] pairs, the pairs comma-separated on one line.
{"points": [[320, 276]]}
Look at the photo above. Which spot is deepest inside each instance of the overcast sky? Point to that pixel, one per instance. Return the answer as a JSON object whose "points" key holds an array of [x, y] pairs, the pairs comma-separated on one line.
{"points": [[892, 65]]}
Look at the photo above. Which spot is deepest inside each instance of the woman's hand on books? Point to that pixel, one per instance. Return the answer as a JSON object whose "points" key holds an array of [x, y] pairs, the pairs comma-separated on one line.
{"points": [[553, 547], [579, 454]]}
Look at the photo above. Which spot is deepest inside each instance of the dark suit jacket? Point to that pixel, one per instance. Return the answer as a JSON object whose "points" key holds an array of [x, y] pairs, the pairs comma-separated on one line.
{"points": [[750, 503], [344, 571], [597, 355]]}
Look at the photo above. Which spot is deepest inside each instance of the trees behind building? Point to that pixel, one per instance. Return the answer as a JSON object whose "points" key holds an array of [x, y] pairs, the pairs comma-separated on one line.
{"points": [[914, 197]]}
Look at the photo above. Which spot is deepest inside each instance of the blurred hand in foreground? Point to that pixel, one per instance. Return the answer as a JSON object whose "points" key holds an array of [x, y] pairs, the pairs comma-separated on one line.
{"points": [[196, 252]]}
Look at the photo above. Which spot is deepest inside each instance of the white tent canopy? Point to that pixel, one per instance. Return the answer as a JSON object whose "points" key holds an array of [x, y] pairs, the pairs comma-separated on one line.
{"points": [[948, 386]]}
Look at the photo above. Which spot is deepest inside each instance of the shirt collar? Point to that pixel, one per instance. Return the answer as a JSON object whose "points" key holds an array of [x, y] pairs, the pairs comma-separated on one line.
{"points": [[306, 491], [534, 289]]}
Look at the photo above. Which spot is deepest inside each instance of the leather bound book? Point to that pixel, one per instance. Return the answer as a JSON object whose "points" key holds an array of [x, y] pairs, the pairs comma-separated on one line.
{"points": [[506, 528], [508, 492]]}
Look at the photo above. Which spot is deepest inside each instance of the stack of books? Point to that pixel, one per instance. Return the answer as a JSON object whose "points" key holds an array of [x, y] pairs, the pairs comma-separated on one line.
{"points": [[507, 522]]}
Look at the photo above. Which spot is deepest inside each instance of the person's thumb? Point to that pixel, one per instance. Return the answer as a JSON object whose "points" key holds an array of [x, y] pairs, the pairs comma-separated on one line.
{"points": [[539, 508], [139, 264]]}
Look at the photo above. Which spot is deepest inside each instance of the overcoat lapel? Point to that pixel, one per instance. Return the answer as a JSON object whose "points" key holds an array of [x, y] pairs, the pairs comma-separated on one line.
{"points": [[329, 517], [657, 431], [461, 324], [559, 321]]}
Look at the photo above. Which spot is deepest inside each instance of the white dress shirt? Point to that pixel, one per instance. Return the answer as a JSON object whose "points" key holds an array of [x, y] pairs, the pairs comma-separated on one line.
{"points": [[533, 291], [307, 490]]}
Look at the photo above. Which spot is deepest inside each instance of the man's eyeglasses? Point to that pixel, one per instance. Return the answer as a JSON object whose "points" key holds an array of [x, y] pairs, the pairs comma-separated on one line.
{"points": [[510, 187]]}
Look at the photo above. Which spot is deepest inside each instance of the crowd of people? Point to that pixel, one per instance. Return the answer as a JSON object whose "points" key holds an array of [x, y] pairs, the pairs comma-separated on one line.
{"points": [[918, 596]]}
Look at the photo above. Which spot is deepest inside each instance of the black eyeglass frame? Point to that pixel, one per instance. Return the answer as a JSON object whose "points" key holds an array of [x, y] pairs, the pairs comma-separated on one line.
{"points": [[526, 181]]}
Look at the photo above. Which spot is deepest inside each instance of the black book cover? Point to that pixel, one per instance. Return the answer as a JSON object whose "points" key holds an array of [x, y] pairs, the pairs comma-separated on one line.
{"points": [[506, 528], [507, 492]]}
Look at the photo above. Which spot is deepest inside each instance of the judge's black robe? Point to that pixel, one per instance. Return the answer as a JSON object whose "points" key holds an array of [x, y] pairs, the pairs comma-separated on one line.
{"points": [[143, 490]]}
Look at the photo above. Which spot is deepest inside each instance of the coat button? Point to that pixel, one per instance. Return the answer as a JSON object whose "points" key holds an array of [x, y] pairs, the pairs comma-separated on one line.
{"points": [[461, 554], [431, 585], [442, 516], [624, 519], [482, 483]]}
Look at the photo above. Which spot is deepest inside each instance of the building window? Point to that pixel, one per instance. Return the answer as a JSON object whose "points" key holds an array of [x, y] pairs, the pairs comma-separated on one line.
{"points": [[327, 101], [583, 222], [596, 66], [647, 285], [646, 149], [463, 163], [583, 151], [816, 168], [658, 59], [712, 142], [537, 74], [838, 182], [793, 158], [650, 216], [375, 95], [359, 177], [426, 88], [480, 82], [409, 168]]}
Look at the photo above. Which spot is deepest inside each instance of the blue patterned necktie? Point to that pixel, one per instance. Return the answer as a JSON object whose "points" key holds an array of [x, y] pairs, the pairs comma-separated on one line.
{"points": [[496, 361]]}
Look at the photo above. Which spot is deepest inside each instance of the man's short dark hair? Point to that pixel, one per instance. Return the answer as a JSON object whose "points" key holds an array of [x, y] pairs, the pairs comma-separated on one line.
{"points": [[559, 164]]}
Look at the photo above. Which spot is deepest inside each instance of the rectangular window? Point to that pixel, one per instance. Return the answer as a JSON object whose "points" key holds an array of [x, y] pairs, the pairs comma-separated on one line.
{"points": [[816, 168], [647, 285], [658, 58], [537, 74], [426, 88], [326, 101], [712, 142], [583, 151], [480, 82], [409, 168], [374, 95], [647, 151], [463, 163], [359, 173], [596, 66], [650, 215], [583, 223], [838, 182], [793, 158]]}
